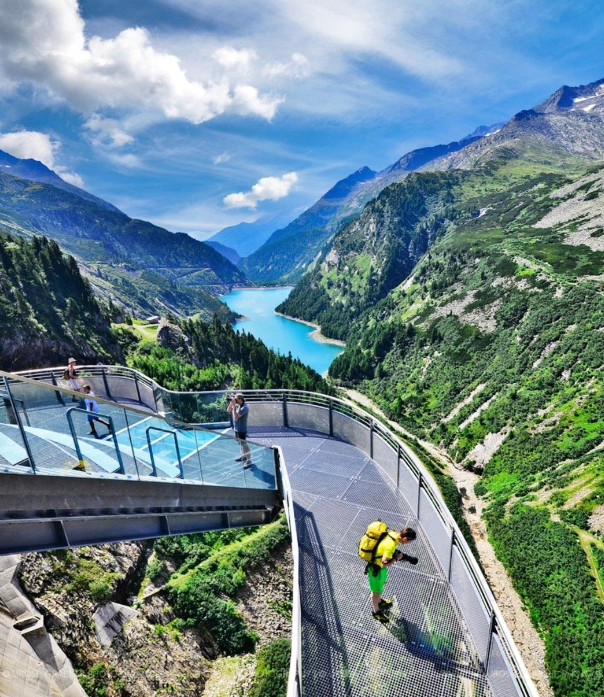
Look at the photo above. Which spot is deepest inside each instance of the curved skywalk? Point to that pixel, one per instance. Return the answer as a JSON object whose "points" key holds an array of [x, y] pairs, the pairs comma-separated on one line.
{"points": [[446, 637], [426, 650]]}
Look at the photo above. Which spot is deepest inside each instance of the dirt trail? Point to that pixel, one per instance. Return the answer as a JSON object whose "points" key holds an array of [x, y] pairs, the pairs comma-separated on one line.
{"points": [[527, 639]]}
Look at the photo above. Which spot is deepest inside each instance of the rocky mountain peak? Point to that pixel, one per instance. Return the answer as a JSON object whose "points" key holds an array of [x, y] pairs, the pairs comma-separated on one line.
{"points": [[574, 98], [345, 186]]}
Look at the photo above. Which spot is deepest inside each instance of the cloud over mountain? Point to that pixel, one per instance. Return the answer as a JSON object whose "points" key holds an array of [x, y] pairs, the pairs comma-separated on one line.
{"points": [[33, 145], [265, 189]]}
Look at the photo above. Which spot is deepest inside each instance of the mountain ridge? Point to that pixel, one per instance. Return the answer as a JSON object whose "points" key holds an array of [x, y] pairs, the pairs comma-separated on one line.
{"points": [[34, 170], [285, 256], [138, 265]]}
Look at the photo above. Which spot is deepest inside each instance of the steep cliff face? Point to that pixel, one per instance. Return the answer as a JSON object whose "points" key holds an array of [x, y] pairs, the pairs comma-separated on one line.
{"points": [[71, 588], [109, 610]]}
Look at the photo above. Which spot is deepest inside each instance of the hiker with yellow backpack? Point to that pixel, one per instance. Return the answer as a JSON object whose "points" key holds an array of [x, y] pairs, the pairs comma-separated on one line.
{"points": [[378, 548]]}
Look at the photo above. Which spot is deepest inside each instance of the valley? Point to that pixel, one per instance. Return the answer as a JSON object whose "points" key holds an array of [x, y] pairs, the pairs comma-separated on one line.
{"points": [[457, 294]]}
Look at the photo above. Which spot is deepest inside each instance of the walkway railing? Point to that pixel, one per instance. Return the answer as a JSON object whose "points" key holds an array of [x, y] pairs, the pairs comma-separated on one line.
{"points": [[498, 654], [46, 429]]}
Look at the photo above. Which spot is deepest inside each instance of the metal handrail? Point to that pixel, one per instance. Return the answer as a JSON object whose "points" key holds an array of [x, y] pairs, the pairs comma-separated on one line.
{"points": [[426, 483], [294, 688], [74, 435], [150, 444]]}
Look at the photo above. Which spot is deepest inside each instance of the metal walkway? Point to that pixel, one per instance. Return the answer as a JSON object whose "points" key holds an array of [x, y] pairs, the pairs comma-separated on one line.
{"points": [[342, 470], [426, 651]]}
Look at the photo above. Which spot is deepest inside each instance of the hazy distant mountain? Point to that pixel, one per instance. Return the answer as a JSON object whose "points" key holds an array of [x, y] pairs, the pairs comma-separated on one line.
{"points": [[227, 252], [37, 172], [246, 238]]}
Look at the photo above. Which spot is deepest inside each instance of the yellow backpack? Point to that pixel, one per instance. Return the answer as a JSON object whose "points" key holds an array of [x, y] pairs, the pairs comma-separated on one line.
{"points": [[368, 545]]}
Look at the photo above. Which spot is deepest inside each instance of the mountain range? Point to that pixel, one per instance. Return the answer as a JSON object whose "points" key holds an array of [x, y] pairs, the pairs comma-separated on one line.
{"points": [[470, 295], [38, 172], [291, 251], [142, 267]]}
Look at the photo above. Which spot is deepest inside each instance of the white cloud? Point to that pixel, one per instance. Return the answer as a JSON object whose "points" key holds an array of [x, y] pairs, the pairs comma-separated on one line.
{"points": [[127, 160], [232, 58], [265, 189], [70, 177], [298, 67], [34, 145], [109, 132], [45, 41], [247, 100], [28, 145], [221, 158]]}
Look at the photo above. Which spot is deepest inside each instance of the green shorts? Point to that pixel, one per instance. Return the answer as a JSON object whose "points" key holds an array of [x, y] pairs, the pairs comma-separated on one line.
{"points": [[376, 583]]}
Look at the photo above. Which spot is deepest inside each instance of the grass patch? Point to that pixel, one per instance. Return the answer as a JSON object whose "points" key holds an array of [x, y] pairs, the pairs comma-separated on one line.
{"points": [[203, 595]]}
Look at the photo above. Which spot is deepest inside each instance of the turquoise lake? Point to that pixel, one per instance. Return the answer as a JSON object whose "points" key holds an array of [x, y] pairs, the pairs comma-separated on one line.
{"points": [[281, 334]]}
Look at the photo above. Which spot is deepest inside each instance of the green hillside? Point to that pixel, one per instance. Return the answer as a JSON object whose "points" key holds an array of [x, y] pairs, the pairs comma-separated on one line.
{"points": [[492, 348], [47, 309], [289, 252], [139, 265]]}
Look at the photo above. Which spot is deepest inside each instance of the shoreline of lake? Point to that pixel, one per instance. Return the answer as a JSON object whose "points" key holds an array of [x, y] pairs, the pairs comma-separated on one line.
{"points": [[286, 335], [289, 285], [316, 334]]}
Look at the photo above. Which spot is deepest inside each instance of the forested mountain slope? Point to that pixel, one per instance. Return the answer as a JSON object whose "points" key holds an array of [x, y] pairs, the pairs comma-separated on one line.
{"points": [[47, 309], [142, 266], [493, 348], [38, 172], [289, 252]]}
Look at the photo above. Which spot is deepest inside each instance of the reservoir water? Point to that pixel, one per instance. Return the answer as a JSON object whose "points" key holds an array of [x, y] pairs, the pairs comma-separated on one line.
{"points": [[279, 333]]}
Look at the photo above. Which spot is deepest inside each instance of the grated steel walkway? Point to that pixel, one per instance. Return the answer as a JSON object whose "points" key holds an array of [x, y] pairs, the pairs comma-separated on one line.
{"points": [[426, 650]]}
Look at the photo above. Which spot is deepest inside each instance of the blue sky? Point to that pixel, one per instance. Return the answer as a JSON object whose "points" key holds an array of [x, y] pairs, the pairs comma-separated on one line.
{"points": [[198, 114]]}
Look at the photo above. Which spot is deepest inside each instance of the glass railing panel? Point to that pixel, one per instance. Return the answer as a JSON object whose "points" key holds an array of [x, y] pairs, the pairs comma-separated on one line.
{"points": [[66, 438], [501, 674], [309, 416], [386, 457], [13, 451], [266, 414], [349, 430], [470, 603]]}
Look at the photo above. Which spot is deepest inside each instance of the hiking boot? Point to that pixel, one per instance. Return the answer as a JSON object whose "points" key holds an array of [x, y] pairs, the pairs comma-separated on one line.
{"points": [[239, 459], [385, 604], [381, 617]]}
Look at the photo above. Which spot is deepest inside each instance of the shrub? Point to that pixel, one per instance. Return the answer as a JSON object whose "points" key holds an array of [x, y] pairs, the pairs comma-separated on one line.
{"points": [[272, 670]]}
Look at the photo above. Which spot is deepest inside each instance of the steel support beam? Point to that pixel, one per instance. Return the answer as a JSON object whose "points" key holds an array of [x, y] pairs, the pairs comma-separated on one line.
{"points": [[50, 512]]}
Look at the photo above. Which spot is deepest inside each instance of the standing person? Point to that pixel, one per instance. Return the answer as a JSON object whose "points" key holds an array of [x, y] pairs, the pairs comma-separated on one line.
{"points": [[387, 554], [229, 401], [240, 411], [92, 408], [71, 375]]}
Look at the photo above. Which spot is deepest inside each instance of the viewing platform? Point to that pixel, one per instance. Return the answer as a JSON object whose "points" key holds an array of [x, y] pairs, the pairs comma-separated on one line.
{"points": [[333, 467]]}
